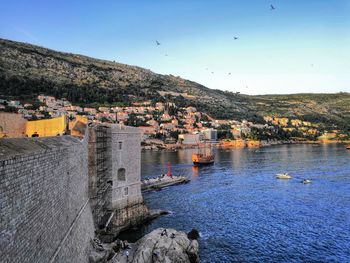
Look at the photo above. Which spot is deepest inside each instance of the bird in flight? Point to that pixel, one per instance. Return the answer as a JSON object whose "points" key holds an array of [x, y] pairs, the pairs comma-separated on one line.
{"points": [[235, 38], [272, 7], [158, 44]]}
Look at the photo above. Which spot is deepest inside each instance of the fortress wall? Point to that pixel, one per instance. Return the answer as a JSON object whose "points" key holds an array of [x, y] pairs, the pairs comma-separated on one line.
{"points": [[114, 177], [12, 125], [45, 213], [126, 154], [126, 197]]}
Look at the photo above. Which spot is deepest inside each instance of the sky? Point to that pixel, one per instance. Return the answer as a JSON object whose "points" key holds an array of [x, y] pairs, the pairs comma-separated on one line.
{"points": [[300, 46]]}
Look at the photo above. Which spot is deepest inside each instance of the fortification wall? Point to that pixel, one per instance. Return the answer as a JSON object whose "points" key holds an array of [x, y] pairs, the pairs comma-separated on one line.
{"points": [[45, 212], [125, 158], [114, 177], [12, 125]]}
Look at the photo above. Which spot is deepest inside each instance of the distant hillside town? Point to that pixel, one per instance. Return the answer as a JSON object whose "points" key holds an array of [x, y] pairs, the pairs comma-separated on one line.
{"points": [[161, 124]]}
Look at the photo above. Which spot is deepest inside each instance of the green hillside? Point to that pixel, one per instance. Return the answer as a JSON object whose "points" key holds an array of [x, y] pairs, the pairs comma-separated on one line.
{"points": [[27, 70]]}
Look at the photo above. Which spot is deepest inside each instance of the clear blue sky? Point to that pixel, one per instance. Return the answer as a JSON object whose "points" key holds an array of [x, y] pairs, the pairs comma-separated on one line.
{"points": [[301, 46]]}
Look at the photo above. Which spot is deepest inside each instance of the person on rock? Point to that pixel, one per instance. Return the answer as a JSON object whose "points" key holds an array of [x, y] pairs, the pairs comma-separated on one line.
{"points": [[164, 233]]}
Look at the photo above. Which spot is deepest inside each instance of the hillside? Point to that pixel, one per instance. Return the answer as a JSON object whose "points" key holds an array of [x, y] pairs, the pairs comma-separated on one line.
{"points": [[27, 70]]}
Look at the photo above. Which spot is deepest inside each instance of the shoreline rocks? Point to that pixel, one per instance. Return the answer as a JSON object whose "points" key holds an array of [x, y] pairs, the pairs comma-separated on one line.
{"points": [[165, 245], [161, 245]]}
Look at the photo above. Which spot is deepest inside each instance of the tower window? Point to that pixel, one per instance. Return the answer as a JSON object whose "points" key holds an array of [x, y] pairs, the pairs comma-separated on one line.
{"points": [[126, 191], [120, 145], [121, 174]]}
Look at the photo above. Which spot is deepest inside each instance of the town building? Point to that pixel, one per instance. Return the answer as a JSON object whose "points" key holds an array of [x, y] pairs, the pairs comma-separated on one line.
{"points": [[49, 127], [146, 131], [189, 139], [210, 135]]}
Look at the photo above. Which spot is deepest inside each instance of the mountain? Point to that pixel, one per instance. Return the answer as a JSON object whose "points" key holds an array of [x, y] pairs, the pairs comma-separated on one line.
{"points": [[27, 70]]}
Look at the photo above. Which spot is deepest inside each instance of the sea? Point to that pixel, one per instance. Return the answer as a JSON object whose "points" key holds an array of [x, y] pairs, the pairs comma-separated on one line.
{"points": [[245, 214]]}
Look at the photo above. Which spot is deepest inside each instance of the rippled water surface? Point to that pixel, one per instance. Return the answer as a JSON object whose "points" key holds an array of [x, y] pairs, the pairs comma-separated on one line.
{"points": [[246, 215]]}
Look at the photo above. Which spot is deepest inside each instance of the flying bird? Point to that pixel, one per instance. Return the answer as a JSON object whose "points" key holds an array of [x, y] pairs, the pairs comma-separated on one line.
{"points": [[158, 44], [272, 7], [235, 38]]}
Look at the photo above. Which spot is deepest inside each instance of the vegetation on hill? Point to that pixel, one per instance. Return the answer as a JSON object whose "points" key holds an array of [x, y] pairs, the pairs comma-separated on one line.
{"points": [[27, 70]]}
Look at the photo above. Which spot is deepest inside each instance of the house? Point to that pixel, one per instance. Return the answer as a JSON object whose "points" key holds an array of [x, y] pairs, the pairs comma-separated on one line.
{"points": [[122, 116], [189, 139], [146, 131], [91, 111], [210, 135], [160, 106]]}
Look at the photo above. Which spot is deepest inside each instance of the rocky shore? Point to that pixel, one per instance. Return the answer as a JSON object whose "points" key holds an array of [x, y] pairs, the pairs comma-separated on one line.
{"points": [[161, 245]]}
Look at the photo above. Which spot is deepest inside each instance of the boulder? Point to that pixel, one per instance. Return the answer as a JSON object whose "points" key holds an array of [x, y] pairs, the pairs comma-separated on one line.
{"points": [[165, 245], [193, 234]]}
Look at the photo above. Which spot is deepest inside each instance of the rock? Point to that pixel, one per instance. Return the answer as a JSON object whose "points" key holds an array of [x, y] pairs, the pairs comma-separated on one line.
{"points": [[104, 252], [172, 246], [193, 234]]}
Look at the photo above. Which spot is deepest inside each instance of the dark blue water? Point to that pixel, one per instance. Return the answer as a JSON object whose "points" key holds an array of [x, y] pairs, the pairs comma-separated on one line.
{"points": [[246, 215]]}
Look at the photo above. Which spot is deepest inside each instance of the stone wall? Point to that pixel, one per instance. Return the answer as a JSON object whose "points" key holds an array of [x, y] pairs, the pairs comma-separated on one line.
{"points": [[114, 177], [12, 125], [45, 213], [56, 191], [127, 200], [125, 159]]}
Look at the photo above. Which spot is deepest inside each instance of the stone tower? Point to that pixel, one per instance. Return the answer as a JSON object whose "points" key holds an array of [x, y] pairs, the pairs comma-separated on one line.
{"points": [[114, 177]]}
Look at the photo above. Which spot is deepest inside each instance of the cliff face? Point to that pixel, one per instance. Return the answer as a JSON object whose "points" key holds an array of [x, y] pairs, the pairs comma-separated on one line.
{"points": [[27, 70]]}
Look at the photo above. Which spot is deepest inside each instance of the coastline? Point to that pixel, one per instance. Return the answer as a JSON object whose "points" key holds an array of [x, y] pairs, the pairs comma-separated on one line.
{"points": [[236, 144]]}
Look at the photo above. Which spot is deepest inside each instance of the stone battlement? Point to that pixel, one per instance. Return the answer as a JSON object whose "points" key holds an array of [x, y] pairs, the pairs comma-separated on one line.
{"points": [[57, 191]]}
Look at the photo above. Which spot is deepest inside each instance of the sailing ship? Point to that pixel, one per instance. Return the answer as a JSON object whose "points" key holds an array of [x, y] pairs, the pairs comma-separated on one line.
{"points": [[203, 156]]}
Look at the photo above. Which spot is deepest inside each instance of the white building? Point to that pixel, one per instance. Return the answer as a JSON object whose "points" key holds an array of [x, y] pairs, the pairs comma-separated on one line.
{"points": [[210, 135], [190, 139]]}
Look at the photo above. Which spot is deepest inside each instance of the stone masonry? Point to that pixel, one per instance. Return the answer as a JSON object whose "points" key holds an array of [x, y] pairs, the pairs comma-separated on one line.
{"points": [[114, 177], [56, 193], [44, 200]]}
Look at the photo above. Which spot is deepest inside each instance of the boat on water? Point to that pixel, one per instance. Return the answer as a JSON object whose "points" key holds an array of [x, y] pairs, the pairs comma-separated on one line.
{"points": [[307, 181], [348, 147], [203, 156], [283, 176]]}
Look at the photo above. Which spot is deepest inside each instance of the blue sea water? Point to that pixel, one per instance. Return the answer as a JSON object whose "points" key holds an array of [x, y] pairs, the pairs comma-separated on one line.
{"points": [[245, 214]]}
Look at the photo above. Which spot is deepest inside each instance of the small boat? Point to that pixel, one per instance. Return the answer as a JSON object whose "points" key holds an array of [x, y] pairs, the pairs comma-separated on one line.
{"points": [[203, 158], [348, 147], [283, 176], [307, 181]]}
